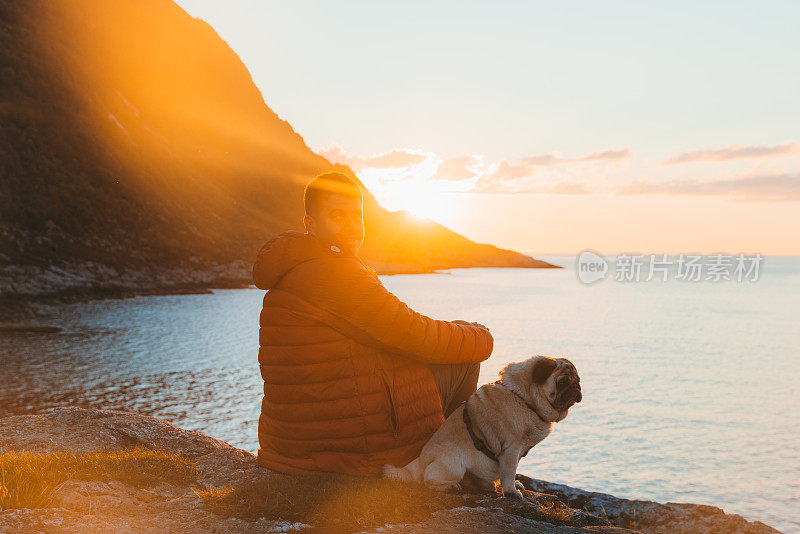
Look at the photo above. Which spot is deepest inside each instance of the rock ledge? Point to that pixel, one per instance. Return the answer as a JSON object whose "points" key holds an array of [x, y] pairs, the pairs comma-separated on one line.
{"points": [[82, 506]]}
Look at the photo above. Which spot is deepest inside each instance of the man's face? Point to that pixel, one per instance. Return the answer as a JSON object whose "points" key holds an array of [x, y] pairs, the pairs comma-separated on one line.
{"points": [[339, 220]]}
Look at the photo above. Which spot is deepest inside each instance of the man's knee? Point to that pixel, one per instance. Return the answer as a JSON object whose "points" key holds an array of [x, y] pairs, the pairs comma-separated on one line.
{"points": [[462, 383], [474, 370], [452, 376]]}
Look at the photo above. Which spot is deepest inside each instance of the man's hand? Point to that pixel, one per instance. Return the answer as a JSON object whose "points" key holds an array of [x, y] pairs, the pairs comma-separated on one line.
{"points": [[479, 325]]}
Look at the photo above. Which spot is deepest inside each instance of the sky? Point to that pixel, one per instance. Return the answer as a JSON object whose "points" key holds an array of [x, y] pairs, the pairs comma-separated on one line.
{"points": [[548, 128]]}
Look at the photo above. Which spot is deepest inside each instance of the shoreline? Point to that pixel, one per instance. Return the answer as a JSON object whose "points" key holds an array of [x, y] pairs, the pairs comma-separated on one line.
{"points": [[67, 288]]}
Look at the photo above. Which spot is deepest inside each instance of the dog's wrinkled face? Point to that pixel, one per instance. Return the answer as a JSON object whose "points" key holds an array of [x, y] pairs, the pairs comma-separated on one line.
{"points": [[558, 380]]}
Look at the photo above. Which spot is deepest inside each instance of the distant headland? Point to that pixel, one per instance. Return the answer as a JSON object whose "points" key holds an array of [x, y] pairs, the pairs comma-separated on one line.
{"points": [[138, 156]]}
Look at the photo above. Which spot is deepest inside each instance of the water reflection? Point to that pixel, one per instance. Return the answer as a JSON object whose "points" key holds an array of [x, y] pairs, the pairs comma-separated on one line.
{"points": [[190, 359]]}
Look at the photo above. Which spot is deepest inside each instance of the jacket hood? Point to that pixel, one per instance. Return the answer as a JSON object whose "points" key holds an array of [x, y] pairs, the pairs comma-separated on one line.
{"points": [[284, 252]]}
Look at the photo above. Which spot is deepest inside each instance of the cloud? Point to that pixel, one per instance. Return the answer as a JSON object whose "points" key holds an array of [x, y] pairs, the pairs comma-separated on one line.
{"points": [[553, 174], [543, 160], [506, 171], [507, 178], [764, 187], [557, 188], [569, 188], [395, 158], [523, 175], [459, 168], [474, 173], [554, 159], [622, 153], [734, 152]]}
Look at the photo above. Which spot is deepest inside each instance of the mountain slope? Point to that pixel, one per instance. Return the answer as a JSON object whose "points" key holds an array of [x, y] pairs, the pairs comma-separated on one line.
{"points": [[136, 150]]}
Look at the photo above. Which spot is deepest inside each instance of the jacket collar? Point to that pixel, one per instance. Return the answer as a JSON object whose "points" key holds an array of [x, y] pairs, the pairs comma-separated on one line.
{"points": [[286, 251]]}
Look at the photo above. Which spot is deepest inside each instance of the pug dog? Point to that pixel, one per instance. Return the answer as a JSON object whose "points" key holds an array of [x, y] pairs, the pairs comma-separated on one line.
{"points": [[484, 439]]}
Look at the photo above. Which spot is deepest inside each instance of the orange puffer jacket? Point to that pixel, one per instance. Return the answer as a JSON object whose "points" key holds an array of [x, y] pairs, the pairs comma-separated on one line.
{"points": [[346, 385]]}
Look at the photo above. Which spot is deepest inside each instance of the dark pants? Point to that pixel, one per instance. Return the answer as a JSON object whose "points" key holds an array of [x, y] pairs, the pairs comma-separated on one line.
{"points": [[456, 382]]}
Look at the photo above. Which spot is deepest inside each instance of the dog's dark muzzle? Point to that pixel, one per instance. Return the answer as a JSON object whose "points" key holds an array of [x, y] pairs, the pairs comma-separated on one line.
{"points": [[571, 395]]}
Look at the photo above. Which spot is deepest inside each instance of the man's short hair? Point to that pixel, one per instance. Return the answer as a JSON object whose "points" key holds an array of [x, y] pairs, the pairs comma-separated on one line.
{"points": [[326, 184]]}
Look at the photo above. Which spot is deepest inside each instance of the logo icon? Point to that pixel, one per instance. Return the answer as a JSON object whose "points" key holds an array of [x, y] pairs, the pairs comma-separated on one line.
{"points": [[591, 267]]}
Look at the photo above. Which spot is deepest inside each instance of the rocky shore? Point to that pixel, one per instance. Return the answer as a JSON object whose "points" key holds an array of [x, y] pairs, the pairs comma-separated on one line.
{"points": [[26, 291], [21, 286], [93, 279], [114, 506]]}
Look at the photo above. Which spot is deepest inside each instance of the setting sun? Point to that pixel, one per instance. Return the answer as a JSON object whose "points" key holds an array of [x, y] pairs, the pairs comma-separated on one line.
{"points": [[421, 200]]}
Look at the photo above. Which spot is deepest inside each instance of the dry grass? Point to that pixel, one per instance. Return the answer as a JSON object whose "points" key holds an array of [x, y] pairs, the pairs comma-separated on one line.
{"points": [[330, 503], [27, 478], [548, 512]]}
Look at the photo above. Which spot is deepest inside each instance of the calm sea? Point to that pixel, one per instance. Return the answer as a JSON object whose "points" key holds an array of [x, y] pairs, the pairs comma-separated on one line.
{"points": [[690, 389]]}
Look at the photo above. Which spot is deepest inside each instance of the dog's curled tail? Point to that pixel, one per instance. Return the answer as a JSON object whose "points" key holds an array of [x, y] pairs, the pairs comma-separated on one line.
{"points": [[409, 472], [412, 471], [397, 473]]}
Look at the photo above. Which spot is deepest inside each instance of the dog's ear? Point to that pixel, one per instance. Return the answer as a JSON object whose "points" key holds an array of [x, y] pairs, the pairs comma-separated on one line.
{"points": [[542, 369]]}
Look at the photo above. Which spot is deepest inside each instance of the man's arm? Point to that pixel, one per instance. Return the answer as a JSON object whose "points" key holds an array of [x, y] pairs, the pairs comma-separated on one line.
{"points": [[346, 290]]}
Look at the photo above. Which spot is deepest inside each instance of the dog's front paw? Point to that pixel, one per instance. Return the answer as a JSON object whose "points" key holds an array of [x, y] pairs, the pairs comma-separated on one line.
{"points": [[445, 487], [514, 495]]}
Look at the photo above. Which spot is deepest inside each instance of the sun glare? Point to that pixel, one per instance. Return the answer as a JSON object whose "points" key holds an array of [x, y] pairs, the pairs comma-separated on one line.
{"points": [[422, 202]]}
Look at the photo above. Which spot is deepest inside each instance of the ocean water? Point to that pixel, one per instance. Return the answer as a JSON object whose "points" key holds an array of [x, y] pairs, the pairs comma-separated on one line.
{"points": [[690, 389]]}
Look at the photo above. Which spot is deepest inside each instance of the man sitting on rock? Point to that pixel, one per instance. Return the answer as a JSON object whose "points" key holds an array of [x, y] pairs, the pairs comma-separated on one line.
{"points": [[353, 378]]}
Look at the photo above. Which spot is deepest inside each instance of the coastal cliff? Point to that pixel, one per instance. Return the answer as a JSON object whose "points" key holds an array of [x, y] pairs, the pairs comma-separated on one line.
{"points": [[137, 154], [190, 482]]}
